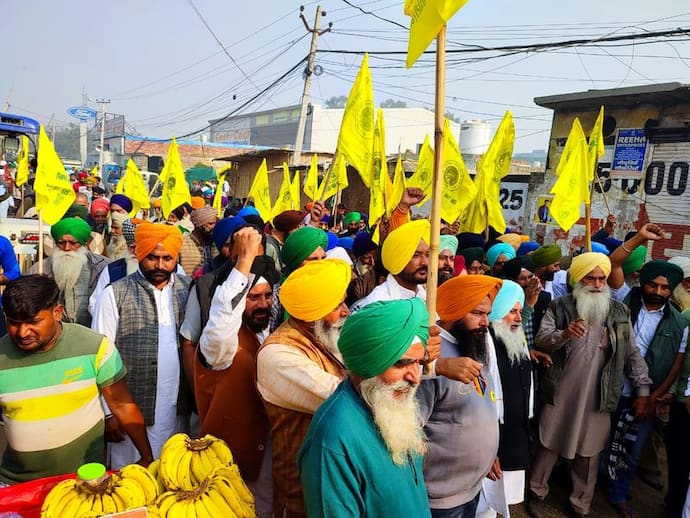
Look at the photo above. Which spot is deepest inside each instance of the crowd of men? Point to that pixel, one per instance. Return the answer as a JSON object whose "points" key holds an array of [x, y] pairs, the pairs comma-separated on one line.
{"points": [[304, 342]]}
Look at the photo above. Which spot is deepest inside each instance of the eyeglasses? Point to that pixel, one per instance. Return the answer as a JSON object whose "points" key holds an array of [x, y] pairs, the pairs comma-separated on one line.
{"points": [[406, 362]]}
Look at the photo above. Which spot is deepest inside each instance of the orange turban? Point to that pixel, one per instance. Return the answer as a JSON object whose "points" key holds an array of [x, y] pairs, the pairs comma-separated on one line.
{"points": [[514, 240], [149, 235], [460, 295], [197, 202]]}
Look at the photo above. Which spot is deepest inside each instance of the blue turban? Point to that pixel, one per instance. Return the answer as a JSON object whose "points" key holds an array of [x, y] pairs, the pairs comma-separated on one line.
{"points": [[510, 293], [332, 241], [470, 240], [123, 201], [225, 228], [346, 243], [599, 247], [499, 249], [449, 242], [363, 244], [527, 247]]}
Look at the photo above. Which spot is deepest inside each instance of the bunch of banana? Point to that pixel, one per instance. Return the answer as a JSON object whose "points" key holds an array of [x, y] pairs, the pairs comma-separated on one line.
{"points": [[223, 493], [186, 462], [154, 469]]}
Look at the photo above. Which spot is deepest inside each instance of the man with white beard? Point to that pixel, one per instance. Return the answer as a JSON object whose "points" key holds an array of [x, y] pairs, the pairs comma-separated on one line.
{"points": [[74, 268], [299, 366], [681, 294], [362, 455], [591, 341]]}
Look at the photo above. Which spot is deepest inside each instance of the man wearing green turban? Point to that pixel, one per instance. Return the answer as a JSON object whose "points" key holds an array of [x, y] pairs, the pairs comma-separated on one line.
{"points": [[362, 455], [546, 261], [351, 222], [74, 268]]}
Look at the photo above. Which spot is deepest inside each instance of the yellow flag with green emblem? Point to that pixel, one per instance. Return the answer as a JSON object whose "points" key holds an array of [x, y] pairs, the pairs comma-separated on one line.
{"points": [[54, 193], [336, 180], [261, 193], [379, 188], [285, 200], [595, 148], [294, 187], [356, 135], [23, 162], [175, 188], [458, 188], [572, 185], [427, 19], [311, 183], [218, 195], [132, 185], [423, 177], [398, 187]]}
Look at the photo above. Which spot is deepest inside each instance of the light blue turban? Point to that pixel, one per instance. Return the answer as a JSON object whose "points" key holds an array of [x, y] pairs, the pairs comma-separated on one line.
{"points": [[449, 242], [499, 249], [510, 293]]}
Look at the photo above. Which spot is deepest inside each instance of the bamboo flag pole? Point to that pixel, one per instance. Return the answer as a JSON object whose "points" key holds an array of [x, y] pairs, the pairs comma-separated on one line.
{"points": [[588, 220], [40, 241], [432, 277]]}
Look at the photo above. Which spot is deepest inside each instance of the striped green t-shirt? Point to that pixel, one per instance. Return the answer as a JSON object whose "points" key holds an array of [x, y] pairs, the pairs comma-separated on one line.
{"points": [[50, 403]]}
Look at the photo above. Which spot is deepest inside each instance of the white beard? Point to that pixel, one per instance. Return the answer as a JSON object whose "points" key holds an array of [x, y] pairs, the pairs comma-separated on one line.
{"points": [[396, 418], [132, 263], [513, 340], [362, 269], [682, 297], [328, 336], [117, 248], [67, 267], [592, 306]]}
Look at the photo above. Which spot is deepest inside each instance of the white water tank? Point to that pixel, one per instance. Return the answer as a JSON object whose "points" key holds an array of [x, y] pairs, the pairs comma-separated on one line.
{"points": [[475, 136]]}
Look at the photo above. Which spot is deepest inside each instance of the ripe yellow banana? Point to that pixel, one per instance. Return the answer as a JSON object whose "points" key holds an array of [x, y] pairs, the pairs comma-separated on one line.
{"points": [[169, 465], [238, 484], [199, 466], [154, 467], [132, 493], [118, 499], [183, 477], [109, 504], [228, 493], [144, 478], [165, 502], [219, 502], [220, 448], [57, 498]]}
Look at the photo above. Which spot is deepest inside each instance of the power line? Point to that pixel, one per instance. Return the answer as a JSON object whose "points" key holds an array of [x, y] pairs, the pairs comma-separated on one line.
{"points": [[371, 13]]}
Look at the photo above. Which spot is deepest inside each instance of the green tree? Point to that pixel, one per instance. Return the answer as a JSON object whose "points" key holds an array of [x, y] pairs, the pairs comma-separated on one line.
{"points": [[451, 116], [66, 141], [392, 103], [336, 102]]}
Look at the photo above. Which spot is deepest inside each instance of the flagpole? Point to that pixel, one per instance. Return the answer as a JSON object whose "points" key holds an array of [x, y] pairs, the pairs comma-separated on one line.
{"points": [[40, 241], [434, 245], [588, 220]]}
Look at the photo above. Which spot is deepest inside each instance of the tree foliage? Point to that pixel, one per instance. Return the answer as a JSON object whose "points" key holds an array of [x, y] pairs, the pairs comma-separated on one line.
{"points": [[392, 103], [66, 141], [336, 102], [451, 116]]}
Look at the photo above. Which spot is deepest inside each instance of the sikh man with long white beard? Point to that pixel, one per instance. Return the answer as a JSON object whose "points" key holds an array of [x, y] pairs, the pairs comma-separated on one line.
{"points": [[362, 455], [591, 341], [299, 366], [74, 268]]}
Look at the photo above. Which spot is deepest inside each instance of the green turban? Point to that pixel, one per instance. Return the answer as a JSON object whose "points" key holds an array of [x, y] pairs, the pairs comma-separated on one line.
{"points": [[75, 227], [449, 242], [379, 334], [635, 260], [352, 217], [658, 268], [474, 253], [301, 244], [546, 255], [77, 211]]}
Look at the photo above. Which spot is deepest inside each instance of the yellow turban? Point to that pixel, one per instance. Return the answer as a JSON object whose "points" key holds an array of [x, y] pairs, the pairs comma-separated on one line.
{"points": [[460, 295], [314, 290], [514, 240], [583, 264], [401, 244], [149, 235]]}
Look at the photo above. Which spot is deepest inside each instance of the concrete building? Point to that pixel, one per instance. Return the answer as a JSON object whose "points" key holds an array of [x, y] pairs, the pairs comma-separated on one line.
{"points": [[644, 172]]}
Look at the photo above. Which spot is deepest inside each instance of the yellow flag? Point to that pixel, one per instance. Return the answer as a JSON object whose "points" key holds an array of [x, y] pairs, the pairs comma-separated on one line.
{"points": [[595, 148], [284, 200], [23, 162], [311, 183], [294, 187], [398, 187], [261, 193], [94, 171], [428, 17], [218, 195], [572, 186], [175, 188], [423, 177], [54, 193], [379, 171], [132, 185], [357, 129], [485, 208], [336, 180], [458, 188]]}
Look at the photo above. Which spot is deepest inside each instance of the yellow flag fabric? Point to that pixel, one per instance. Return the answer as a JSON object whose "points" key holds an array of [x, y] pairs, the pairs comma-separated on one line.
{"points": [[572, 186], [54, 193], [261, 193], [336, 180], [398, 187], [175, 188], [357, 128], [284, 201], [427, 19], [94, 171], [295, 191], [23, 162], [311, 183], [134, 188], [458, 188], [379, 172], [486, 208], [423, 177], [218, 195], [595, 148]]}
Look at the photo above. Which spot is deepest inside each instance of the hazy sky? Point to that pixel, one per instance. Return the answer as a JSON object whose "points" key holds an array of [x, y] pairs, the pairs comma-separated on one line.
{"points": [[161, 66]]}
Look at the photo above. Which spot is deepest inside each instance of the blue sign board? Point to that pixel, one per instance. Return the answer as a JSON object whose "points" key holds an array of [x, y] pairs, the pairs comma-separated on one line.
{"points": [[83, 113], [630, 149]]}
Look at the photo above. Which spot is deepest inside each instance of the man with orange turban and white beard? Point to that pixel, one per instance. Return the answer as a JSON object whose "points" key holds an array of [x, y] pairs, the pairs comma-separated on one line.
{"points": [[591, 341], [141, 314]]}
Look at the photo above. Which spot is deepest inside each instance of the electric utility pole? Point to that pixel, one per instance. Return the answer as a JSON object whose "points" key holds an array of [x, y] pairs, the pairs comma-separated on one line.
{"points": [[315, 33], [102, 102]]}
